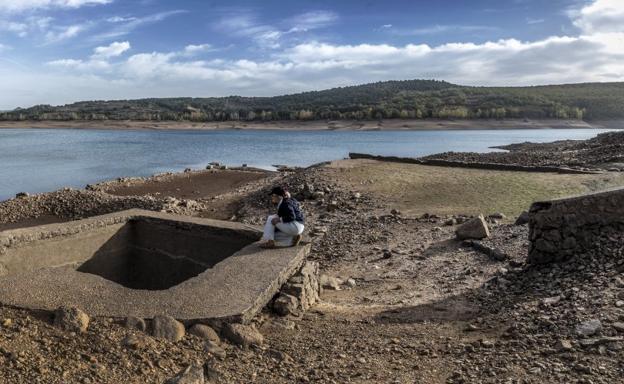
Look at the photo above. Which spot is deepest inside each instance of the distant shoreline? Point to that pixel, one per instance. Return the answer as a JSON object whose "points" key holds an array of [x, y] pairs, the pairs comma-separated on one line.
{"points": [[339, 125]]}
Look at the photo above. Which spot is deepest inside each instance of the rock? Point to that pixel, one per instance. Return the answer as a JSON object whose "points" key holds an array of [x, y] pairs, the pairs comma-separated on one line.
{"points": [[357, 196], [329, 282], [215, 350], [395, 212], [589, 328], [21, 195], [619, 303], [387, 254], [168, 328], [522, 219], [619, 326], [563, 345], [351, 283], [550, 300], [243, 335], [285, 304], [135, 323], [71, 319], [133, 342], [497, 216], [305, 285], [6, 323], [450, 222], [205, 332], [473, 229], [193, 374]]}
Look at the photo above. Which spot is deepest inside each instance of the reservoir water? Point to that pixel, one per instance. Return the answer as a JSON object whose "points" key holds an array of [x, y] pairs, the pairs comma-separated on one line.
{"points": [[39, 160]]}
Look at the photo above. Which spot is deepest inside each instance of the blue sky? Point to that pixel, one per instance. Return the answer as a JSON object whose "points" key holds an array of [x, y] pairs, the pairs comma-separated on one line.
{"points": [[59, 51]]}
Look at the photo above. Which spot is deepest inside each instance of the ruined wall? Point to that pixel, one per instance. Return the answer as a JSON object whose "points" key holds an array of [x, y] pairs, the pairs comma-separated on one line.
{"points": [[561, 228]]}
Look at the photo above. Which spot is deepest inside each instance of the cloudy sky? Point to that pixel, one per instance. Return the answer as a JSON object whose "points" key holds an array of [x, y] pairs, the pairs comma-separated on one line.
{"points": [[60, 51]]}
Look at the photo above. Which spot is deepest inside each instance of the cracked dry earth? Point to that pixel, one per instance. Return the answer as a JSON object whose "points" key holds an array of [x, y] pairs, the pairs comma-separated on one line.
{"points": [[415, 306]]}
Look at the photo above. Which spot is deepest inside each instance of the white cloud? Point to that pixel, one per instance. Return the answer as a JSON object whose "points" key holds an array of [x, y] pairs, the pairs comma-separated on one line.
{"points": [[112, 50], [193, 49], [58, 34], [25, 5], [125, 26], [602, 16], [312, 20]]}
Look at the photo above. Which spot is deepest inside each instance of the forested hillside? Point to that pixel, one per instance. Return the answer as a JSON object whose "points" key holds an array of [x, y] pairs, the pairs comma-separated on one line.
{"points": [[419, 99]]}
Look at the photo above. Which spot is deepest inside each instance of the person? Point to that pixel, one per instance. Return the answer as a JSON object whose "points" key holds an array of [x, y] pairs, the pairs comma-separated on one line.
{"points": [[285, 228]]}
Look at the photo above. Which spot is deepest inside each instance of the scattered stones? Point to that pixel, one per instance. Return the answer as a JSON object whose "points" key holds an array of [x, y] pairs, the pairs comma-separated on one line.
{"points": [[71, 319], [193, 374], [473, 229], [285, 304], [305, 285], [205, 332], [135, 323], [243, 335], [589, 328], [168, 328]]}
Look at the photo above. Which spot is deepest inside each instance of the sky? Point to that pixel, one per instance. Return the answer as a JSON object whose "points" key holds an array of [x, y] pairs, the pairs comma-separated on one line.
{"points": [[61, 51]]}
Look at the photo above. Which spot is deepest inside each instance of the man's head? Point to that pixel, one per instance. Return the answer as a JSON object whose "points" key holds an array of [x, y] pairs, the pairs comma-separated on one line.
{"points": [[277, 194]]}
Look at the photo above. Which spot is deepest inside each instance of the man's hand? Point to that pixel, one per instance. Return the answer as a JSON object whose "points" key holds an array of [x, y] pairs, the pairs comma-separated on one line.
{"points": [[276, 220]]}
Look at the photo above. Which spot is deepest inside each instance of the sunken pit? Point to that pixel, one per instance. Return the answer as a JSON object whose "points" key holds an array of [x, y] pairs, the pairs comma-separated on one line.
{"points": [[141, 263]]}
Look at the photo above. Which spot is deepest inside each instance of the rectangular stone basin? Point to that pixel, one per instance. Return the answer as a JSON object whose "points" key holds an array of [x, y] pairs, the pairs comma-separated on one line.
{"points": [[143, 263]]}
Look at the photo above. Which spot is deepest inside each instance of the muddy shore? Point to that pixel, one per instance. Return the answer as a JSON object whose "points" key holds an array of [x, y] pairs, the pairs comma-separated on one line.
{"points": [[393, 124]]}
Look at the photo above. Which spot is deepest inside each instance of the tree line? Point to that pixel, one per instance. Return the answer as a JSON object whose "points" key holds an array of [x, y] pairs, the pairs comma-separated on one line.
{"points": [[410, 99]]}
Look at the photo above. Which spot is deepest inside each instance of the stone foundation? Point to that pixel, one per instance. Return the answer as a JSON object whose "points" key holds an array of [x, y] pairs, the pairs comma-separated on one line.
{"points": [[561, 228]]}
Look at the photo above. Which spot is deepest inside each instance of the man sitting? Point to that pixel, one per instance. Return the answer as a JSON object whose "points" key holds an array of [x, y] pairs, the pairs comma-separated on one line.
{"points": [[285, 228]]}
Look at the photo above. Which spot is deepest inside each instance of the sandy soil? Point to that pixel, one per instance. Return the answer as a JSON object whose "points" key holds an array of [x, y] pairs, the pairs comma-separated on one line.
{"points": [[394, 124]]}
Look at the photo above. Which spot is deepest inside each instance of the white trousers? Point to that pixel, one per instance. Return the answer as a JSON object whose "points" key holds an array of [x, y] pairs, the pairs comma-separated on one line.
{"points": [[286, 231]]}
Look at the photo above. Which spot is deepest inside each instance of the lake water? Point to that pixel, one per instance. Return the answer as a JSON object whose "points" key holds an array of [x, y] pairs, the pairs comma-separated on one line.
{"points": [[38, 160]]}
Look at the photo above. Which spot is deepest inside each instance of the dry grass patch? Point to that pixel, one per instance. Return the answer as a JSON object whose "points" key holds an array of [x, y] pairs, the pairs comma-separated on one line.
{"points": [[417, 189]]}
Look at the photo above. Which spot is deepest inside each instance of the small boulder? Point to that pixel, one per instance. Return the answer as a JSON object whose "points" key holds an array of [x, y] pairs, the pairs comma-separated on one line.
{"points": [[71, 319], [193, 374], [563, 345], [473, 229], [168, 328], [351, 283], [330, 282], [285, 305], [134, 342], [589, 328], [205, 332], [243, 335], [522, 219], [135, 323], [215, 350]]}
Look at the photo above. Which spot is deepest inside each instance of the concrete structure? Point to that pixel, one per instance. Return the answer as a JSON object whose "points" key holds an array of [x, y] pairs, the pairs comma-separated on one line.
{"points": [[144, 264], [561, 228]]}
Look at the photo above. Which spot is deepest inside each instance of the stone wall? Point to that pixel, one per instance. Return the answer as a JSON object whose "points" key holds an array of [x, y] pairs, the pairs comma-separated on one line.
{"points": [[560, 228]]}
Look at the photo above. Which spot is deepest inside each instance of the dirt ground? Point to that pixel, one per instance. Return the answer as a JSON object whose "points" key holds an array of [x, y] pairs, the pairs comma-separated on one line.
{"points": [[422, 306]]}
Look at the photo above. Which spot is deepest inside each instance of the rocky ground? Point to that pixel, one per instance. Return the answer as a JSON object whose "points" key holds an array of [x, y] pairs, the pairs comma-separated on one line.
{"points": [[405, 302], [606, 151]]}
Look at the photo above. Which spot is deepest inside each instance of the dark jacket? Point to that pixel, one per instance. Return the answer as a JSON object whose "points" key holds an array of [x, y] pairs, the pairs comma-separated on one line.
{"points": [[290, 211]]}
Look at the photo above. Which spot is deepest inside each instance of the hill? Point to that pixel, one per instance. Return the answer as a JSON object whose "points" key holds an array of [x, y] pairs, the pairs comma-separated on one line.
{"points": [[413, 99]]}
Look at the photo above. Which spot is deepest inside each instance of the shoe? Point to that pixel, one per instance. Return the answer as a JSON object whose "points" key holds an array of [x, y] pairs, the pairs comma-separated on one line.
{"points": [[270, 244], [296, 240]]}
